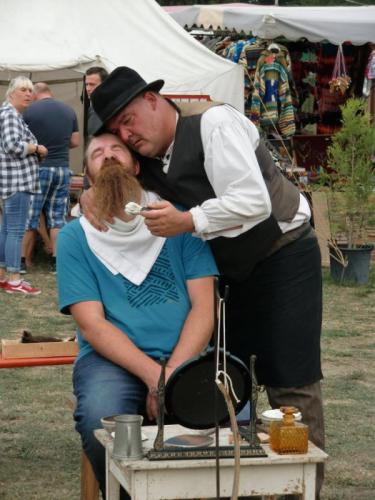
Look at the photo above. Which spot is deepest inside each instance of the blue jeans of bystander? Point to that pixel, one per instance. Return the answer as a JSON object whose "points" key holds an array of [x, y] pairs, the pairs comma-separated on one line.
{"points": [[103, 389], [13, 226]]}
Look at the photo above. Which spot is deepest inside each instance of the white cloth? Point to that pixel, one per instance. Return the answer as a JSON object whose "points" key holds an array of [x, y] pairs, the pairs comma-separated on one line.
{"points": [[166, 158], [127, 248], [242, 200], [76, 211]]}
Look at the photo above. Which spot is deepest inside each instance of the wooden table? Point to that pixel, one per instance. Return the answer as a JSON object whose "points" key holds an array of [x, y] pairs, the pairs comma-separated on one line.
{"points": [[179, 479]]}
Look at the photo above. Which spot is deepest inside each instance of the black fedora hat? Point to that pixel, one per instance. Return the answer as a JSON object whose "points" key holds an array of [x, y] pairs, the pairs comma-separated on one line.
{"points": [[118, 89]]}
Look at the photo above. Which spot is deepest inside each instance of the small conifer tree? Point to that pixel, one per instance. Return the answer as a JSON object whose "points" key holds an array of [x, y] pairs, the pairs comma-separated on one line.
{"points": [[351, 155]]}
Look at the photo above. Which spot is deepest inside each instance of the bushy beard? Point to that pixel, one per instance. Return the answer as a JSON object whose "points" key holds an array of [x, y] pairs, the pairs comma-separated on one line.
{"points": [[114, 188]]}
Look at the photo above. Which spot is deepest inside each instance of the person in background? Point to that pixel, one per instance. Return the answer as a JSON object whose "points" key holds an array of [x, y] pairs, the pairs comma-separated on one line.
{"points": [[54, 124], [120, 286], [20, 154], [93, 78], [209, 158]]}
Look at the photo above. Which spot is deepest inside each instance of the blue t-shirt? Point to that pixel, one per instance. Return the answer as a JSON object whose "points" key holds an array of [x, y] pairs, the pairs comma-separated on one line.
{"points": [[151, 314], [53, 123]]}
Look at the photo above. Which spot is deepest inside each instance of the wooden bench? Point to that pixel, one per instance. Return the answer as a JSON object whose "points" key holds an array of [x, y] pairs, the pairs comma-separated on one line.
{"points": [[28, 362]]}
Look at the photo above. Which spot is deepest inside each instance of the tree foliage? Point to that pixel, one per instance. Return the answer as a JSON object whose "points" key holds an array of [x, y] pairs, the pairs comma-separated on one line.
{"points": [[351, 156]]}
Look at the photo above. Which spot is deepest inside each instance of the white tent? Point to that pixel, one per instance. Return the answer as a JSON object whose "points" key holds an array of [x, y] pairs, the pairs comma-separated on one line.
{"points": [[56, 41], [334, 24]]}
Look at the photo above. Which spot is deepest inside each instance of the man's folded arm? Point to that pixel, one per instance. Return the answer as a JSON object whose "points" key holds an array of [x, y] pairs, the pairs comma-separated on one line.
{"points": [[112, 343], [198, 326]]}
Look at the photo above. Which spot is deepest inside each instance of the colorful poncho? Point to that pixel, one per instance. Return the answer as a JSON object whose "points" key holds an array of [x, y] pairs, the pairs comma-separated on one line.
{"points": [[271, 100]]}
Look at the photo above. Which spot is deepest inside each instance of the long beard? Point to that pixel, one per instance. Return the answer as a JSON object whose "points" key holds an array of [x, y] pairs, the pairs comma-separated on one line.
{"points": [[114, 188]]}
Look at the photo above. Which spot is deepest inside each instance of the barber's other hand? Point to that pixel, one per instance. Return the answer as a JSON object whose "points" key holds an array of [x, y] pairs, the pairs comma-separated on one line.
{"points": [[88, 208], [165, 220]]}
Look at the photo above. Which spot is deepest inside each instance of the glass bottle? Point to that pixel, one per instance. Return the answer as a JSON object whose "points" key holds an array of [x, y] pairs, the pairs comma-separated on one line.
{"points": [[289, 436]]}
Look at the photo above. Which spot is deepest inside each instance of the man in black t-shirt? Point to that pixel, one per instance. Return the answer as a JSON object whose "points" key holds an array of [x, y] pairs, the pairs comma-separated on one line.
{"points": [[55, 125]]}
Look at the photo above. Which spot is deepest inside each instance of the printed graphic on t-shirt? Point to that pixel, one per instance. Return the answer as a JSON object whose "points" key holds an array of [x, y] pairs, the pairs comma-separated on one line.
{"points": [[159, 286]]}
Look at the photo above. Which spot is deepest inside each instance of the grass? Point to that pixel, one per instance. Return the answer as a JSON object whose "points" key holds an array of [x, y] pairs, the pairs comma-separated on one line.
{"points": [[40, 450], [349, 396]]}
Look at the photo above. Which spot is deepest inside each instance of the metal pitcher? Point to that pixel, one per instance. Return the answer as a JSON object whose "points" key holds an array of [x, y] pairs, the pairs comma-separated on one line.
{"points": [[128, 437]]}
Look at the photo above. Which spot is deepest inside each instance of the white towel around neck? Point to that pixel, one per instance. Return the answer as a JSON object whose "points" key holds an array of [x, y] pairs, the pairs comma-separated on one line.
{"points": [[127, 248]]}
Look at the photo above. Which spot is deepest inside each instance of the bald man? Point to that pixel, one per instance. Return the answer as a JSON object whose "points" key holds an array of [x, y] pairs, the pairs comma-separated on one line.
{"points": [[55, 125]]}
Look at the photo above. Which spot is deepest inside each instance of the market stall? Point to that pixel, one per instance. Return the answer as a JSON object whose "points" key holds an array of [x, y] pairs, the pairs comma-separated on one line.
{"points": [[300, 63]]}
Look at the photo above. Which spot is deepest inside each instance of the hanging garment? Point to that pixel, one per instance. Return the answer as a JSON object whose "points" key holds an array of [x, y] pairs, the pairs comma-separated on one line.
{"points": [[271, 101], [241, 52]]}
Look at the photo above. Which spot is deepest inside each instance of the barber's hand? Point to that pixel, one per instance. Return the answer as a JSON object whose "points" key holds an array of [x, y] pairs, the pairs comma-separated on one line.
{"points": [[88, 208], [165, 220], [42, 151], [152, 404]]}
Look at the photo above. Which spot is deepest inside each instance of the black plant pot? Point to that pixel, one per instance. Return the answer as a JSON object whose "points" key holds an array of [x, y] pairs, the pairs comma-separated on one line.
{"points": [[358, 268]]}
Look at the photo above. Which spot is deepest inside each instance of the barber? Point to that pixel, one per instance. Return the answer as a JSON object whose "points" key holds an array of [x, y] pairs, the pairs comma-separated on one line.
{"points": [[210, 158]]}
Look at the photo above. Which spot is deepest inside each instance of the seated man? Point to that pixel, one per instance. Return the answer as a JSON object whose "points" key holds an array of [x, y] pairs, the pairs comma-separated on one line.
{"points": [[135, 297]]}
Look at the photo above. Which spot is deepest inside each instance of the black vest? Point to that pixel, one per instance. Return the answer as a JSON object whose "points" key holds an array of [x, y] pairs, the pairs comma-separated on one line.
{"points": [[186, 183]]}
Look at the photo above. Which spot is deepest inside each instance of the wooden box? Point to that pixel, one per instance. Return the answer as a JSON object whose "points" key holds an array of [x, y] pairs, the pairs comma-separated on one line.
{"points": [[16, 349]]}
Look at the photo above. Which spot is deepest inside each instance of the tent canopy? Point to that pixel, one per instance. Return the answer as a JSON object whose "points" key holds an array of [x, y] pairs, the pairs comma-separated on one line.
{"points": [[57, 41], [333, 24], [67, 34]]}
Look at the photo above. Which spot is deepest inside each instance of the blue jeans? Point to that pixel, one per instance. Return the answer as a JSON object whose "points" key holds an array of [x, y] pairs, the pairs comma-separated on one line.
{"points": [[13, 227], [103, 389]]}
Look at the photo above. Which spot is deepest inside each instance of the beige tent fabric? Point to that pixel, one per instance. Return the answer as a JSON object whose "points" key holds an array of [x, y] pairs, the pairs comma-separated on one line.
{"points": [[57, 41]]}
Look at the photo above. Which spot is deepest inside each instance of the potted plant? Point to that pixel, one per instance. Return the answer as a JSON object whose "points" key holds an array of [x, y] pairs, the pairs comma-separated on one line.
{"points": [[352, 198]]}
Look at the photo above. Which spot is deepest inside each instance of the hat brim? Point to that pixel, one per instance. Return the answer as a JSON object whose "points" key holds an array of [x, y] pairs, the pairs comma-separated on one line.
{"points": [[156, 86]]}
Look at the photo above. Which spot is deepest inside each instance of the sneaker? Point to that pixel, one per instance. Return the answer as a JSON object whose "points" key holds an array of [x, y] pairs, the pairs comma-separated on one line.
{"points": [[52, 267], [3, 285], [22, 287], [23, 269]]}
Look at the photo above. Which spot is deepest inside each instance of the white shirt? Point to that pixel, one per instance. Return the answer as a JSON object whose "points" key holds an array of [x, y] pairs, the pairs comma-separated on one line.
{"points": [[242, 200]]}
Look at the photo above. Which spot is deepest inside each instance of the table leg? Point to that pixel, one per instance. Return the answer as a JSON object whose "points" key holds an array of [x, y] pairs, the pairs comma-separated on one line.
{"points": [[112, 485], [309, 474]]}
